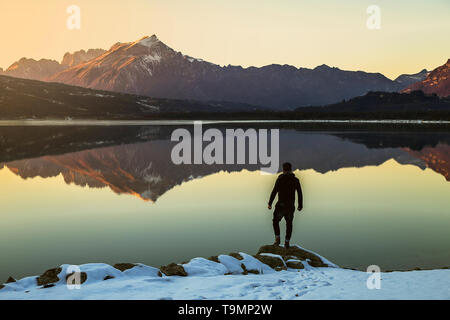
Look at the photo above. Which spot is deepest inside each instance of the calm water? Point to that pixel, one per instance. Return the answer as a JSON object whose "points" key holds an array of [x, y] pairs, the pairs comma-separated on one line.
{"points": [[103, 194]]}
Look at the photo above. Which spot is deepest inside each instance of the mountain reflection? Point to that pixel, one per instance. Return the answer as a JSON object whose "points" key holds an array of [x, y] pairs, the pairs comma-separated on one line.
{"points": [[142, 166]]}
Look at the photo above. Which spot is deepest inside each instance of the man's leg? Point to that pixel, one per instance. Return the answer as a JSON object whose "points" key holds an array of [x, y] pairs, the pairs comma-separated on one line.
{"points": [[276, 226], [288, 218]]}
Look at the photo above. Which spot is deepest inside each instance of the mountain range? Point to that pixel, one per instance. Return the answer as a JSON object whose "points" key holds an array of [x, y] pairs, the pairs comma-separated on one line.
{"points": [[408, 79], [148, 67], [33, 99], [44, 69], [437, 81]]}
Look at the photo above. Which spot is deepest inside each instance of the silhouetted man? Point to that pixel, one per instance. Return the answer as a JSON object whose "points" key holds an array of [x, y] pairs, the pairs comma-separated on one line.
{"points": [[285, 186]]}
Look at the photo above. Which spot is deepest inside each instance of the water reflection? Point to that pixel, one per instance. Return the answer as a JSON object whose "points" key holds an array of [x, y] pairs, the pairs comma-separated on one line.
{"points": [[144, 169], [370, 198]]}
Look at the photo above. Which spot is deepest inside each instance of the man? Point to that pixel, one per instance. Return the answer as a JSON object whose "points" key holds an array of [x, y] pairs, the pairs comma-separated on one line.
{"points": [[285, 186]]}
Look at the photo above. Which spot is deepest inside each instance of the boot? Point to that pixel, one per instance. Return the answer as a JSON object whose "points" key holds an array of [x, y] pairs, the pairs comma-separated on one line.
{"points": [[286, 244], [277, 241]]}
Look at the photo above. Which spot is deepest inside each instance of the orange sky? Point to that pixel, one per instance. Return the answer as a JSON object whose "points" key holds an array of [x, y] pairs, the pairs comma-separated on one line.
{"points": [[302, 33]]}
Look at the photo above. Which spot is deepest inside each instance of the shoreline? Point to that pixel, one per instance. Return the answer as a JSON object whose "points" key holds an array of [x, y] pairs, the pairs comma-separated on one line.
{"points": [[114, 122], [273, 273], [267, 249]]}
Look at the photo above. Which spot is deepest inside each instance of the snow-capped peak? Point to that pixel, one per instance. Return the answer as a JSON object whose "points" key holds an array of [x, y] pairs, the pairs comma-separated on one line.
{"points": [[148, 41]]}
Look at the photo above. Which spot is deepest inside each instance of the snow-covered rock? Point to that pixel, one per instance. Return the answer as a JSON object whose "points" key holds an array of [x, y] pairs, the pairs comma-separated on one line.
{"points": [[233, 276], [141, 270], [204, 268], [253, 265], [233, 265]]}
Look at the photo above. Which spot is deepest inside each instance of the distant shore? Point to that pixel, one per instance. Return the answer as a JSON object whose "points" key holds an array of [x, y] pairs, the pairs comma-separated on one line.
{"points": [[205, 120]]}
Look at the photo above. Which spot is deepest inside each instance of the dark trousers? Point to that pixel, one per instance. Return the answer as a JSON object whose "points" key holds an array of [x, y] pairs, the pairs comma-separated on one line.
{"points": [[286, 212]]}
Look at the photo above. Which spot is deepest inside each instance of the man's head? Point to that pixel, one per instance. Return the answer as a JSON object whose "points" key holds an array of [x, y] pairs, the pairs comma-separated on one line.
{"points": [[287, 167]]}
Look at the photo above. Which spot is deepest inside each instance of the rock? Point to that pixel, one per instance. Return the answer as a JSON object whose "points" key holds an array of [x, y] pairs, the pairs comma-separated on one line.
{"points": [[252, 264], [361, 270], [49, 276], [10, 280], [214, 258], [295, 264], [273, 249], [246, 271], [276, 263], [236, 255], [82, 277], [173, 269], [295, 251], [108, 277], [49, 285], [124, 266], [1, 286], [317, 263], [253, 271]]}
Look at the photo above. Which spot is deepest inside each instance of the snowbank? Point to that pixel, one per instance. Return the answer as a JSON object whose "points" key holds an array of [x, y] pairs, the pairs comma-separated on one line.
{"points": [[297, 274]]}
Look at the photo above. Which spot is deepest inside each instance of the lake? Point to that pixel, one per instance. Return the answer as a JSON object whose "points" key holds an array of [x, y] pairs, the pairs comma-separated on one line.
{"points": [[110, 193]]}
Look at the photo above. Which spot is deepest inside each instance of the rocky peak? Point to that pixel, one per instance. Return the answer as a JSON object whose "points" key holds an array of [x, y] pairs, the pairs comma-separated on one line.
{"points": [[73, 59], [436, 81], [33, 69], [407, 79], [148, 41]]}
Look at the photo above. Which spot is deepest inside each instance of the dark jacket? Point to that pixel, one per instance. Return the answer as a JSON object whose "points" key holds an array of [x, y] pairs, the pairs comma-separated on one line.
{"points": [[285, 186]]}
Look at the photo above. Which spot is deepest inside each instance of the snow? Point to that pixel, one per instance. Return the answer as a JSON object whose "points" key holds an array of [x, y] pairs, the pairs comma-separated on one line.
{"points": [[293, 260], [151, 58], [147, 105], [324, 260], [204, 268], [141, 270], [232, 264], [145, 66], [148, 41], [212, 280], [191, 59], [252, 263]]}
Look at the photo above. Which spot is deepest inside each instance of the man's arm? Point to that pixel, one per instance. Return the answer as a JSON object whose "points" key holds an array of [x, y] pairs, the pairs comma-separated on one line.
{"points": [[273, 194], [299, 195]]}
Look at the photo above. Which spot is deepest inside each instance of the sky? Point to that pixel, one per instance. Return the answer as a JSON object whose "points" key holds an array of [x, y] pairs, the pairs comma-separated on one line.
{"points": [[413, 34]]}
